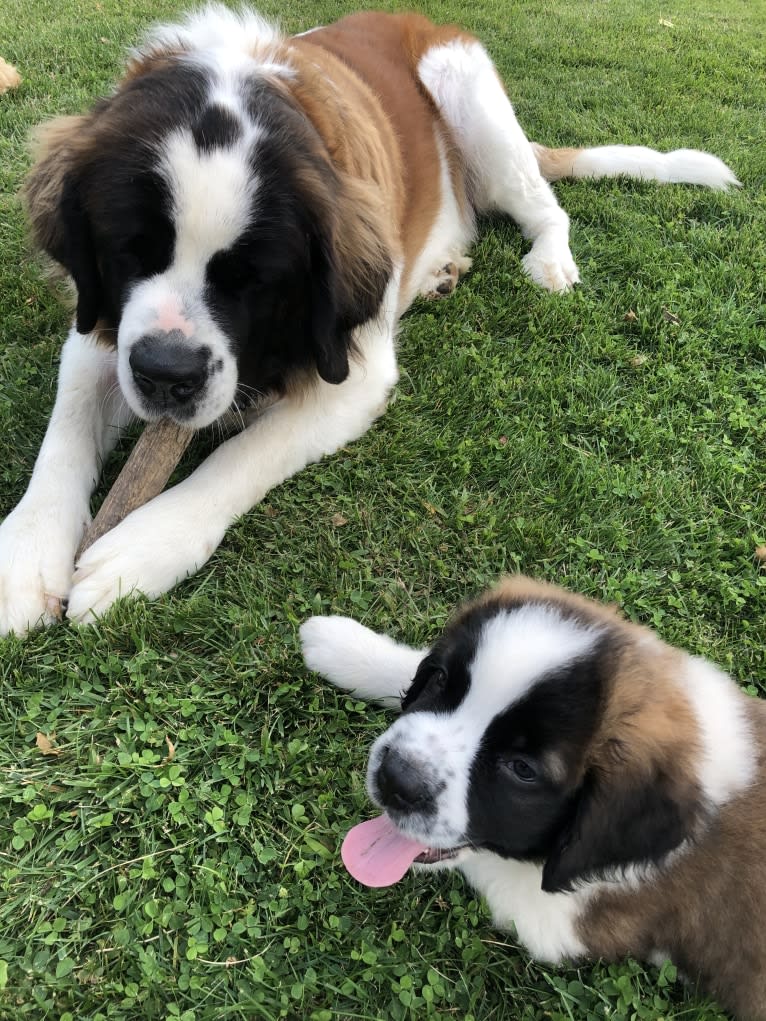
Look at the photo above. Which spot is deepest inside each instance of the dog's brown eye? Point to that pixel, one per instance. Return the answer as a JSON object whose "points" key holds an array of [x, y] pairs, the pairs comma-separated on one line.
{"points": [[523, 770]]}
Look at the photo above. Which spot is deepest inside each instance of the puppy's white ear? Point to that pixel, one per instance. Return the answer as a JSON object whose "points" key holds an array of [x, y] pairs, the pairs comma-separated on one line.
{"points": [[372, 666]]}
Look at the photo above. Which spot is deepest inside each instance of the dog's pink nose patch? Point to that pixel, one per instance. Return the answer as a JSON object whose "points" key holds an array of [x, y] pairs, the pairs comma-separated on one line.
{"points": [[170, 317], [377, 854]]}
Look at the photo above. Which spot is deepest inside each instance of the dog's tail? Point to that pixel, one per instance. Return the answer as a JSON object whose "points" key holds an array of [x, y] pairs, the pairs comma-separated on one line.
{"points": [[682, 166]]}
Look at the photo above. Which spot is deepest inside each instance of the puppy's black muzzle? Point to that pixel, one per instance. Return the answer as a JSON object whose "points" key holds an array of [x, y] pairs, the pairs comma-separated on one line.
{"points": [[401, 787]]}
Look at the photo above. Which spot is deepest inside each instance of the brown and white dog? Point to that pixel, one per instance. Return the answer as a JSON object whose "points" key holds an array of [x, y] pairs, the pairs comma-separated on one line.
{"points": [[250, 214], [605, 792]]}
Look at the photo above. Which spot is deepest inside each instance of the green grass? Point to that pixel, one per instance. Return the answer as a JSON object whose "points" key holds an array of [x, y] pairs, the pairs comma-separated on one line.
{"points": [[612, 439]]}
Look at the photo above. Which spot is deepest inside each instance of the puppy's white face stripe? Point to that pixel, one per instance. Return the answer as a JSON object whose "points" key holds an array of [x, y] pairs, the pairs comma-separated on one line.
{"points": [[515, 649]]}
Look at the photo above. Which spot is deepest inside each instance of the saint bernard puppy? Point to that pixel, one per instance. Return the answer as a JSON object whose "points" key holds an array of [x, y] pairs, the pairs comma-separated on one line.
{"points": [[249, 214], [605, 792]]}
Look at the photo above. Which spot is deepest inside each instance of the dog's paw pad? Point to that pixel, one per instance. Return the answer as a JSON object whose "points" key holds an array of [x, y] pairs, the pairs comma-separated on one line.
{"points": [[443, 281]]}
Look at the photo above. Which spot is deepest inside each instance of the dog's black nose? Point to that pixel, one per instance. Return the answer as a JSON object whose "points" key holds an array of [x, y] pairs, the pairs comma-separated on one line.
{"points": [[401, 787], [166, 371]]}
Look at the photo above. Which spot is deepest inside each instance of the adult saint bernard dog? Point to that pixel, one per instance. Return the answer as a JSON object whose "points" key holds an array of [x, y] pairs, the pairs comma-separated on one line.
{"points": [[250, 214], [605, 792]]}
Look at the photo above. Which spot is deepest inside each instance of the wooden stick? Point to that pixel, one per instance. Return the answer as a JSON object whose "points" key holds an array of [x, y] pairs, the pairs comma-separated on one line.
{"points": [[152, 461], [144, 475]]}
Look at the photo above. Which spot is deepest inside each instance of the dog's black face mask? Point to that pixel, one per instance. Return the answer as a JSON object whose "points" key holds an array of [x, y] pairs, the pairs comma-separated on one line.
{"points": [[497, 749], [203, 242]]}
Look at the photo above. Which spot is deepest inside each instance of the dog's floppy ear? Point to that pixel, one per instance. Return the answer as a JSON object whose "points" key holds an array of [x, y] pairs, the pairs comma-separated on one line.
{"points": [[330, 337], [78, 256], [52, 195], [350, 268], [621, 817]]}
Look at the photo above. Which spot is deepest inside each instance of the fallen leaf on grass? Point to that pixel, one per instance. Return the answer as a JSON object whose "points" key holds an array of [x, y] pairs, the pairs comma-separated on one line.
{"points": [[45, 745], [433, 511], [338, 520], [666, 22], [670, 317], [630, 316]]}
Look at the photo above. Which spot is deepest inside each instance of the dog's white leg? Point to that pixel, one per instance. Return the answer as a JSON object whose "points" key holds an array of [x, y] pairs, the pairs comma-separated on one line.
{"points": [[39, 538], [173, 535], [374, 667], [505, 175]]}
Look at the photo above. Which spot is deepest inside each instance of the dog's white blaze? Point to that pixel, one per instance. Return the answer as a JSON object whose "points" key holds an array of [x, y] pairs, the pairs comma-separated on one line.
{"points": [[516, 649], [216, 27], [212, 194], [729, 756]]}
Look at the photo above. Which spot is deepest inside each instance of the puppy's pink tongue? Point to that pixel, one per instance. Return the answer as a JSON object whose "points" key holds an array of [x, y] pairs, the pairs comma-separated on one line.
{"points": [[377, 854]]}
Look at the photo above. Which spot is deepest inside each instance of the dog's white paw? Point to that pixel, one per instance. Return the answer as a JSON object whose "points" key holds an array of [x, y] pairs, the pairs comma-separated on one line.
{"points": [[150, 551], [357, 659], [327, 643], [551, 266], [443, 281], [37, 547]]}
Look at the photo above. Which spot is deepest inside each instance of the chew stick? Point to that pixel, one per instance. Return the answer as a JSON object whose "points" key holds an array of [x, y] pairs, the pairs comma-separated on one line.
{"points": [[144, 475]]}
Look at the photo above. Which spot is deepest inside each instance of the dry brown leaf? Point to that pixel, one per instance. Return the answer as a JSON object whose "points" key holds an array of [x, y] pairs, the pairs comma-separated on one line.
{"points": [[638, 360], [670, 317], [666, 22], [171, 751], [433, 511], [338, 520], [630, 316], [45, 745]]}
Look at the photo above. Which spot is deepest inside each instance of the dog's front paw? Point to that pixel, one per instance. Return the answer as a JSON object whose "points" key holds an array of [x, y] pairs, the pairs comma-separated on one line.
{"points": [[146, 554], [37, 547], [352, 657], [327, 644], [552, 267]]}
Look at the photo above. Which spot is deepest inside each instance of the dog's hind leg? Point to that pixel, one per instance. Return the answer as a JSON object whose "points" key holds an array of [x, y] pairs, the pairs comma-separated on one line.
{"points": [[372, 666], [443, 281], [501, 162]]}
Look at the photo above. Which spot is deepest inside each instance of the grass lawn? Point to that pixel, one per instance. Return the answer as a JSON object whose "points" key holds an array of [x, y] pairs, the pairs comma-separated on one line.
{"points": [[177, 857]]}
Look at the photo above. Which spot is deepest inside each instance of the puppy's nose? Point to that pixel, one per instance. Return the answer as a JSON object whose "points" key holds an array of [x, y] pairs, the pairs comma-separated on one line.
{"points": [[167, 371], [401, 786]]}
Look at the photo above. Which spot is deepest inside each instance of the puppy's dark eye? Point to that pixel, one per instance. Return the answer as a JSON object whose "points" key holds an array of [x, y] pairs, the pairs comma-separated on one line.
{"points": [[522, 770]]}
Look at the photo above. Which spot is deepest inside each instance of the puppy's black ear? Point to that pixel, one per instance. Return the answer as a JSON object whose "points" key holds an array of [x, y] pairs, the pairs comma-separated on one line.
{"points": [[621, 819]]}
